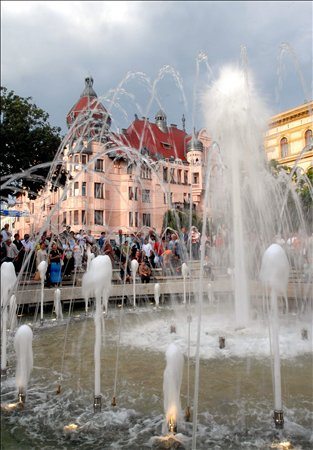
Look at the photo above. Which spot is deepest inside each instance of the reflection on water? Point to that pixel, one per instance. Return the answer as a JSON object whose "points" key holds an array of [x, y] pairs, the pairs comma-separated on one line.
{"points": [[236, 397]]}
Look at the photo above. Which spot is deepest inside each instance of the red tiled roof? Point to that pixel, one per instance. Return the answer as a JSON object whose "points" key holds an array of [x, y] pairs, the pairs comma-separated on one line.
{"points": [[86, 103], [142, 133]]}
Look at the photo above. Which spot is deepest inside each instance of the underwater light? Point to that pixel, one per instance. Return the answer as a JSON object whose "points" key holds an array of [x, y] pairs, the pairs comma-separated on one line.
{"points": [[284, 445], [172, 425], [10, 406], [71, 427]]}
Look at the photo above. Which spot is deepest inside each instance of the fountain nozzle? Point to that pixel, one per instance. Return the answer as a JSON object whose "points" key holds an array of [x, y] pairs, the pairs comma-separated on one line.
{"points": [[187, 414], [21, 397], [221, 341], [304, 334], [113, 401], [172, 425], [97, 403], [41, 322], [279, 419], [58, 391]]}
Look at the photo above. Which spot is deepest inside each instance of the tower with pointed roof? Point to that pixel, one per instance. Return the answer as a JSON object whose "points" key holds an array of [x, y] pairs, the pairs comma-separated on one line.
{"points": [[88, 117], [161, 121]]}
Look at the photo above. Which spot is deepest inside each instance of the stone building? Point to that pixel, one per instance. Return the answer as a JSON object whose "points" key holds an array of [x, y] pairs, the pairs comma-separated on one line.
{"points": [[289, 137]]}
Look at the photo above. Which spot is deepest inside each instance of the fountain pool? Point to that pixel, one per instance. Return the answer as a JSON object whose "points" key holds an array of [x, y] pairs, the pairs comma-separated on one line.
{"points": [[235, 386]]}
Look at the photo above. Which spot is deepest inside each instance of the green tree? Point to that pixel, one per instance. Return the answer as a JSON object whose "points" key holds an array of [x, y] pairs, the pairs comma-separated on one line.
{"points": [[27, 140], [176, 219]]}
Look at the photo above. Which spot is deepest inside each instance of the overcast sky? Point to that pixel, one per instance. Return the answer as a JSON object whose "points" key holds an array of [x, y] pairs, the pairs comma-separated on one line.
{"points": [[47, 49]]}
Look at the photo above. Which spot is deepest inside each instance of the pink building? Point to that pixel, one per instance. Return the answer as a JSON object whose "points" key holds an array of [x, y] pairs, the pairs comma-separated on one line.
{"points": [[127, 180]]}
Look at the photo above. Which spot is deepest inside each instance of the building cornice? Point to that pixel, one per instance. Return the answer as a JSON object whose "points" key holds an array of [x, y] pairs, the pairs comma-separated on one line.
{"points": [[291, 115]]}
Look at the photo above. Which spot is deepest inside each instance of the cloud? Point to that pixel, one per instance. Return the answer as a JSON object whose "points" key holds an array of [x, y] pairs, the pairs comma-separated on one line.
{"points": [[49, 47]]}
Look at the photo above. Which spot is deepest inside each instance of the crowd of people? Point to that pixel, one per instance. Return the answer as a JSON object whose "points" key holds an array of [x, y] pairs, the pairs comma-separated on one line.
{"points": [[67, 253]]}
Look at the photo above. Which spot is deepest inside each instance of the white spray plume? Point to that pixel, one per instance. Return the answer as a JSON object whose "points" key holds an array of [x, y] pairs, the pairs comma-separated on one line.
{"points": [[172, 380], [23, 341], [58, 304]]}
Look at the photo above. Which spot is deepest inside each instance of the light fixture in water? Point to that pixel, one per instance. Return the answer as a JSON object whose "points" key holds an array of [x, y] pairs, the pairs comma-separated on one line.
{"points": [[21, 397], [97, 403], [284, 445], [304, 334], [9, 406], [278, 418], [172, 425], [71, 427], [221, 341], [187, 414]]}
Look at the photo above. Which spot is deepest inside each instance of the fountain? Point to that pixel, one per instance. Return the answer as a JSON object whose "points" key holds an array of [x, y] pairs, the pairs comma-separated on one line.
{"points": [[58, 305], [134, 268], [232, 379], [172, 381], [8, 281], [24, 354], [42, 269]]}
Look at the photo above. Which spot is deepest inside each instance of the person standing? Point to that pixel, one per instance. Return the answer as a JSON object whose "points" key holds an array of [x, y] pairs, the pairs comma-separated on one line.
{"points": [[144, 271], [6, 234], [55, 265]]}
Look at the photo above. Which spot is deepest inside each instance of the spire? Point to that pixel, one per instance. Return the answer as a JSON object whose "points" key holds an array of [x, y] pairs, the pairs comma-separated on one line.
{"points": [[88, 91], [183, 119], [160, 120]]}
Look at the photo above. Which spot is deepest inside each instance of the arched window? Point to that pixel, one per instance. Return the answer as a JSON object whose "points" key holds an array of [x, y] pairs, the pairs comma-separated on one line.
{"points": [[308, 138], [284, 147]]}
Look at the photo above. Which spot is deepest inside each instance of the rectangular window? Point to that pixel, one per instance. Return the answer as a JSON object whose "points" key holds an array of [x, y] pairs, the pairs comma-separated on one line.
{"points": [[64, 218], [130, 219], [146, 196], [146, 220], [195, 178], [98, 217], [70, 218], [136, 194], [185, 176], [76, 162], [84, 159], [84, 217], [84, 190], [76, 188], [99, 165], [76, 220], [179, 176], [172, 172], [136, 219], [130, 193], [98, 190], [164, 198]]}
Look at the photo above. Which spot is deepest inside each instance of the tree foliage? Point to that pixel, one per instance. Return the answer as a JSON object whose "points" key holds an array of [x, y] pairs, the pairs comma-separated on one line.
{"points": [[303, 184], [176, 219], [27, 140]]}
